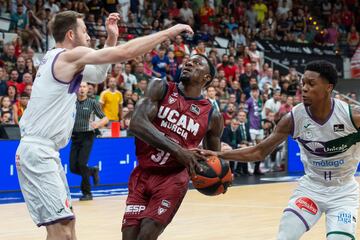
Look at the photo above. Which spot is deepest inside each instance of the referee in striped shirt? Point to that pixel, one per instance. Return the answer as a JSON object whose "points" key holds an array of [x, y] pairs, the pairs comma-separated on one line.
{"points": [[83, 137]]}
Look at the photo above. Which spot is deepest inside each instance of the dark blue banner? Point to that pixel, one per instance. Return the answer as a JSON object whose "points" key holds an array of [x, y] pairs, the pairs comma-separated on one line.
{"points": [[114, 156]]}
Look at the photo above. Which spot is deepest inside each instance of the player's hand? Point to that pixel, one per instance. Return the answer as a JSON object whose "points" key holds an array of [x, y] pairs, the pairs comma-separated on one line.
{"points": [[190, 160], [112, 28], [178, 29], [207, 153], [95, 125]]}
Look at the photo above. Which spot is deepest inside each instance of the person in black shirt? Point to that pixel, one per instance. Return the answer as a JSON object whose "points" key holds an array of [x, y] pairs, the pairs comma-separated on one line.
{"points": [[244, 130], [244, 79], [83, 138]]}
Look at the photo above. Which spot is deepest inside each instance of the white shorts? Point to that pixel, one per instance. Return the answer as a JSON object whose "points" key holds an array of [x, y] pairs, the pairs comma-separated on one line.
{"points": [[339, 203], [256, 134], [43, 182]]}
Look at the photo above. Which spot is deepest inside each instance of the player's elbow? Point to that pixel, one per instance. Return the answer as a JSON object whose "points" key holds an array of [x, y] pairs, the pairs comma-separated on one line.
{"points": [[258, 155], [133, 127], [136, 127]]}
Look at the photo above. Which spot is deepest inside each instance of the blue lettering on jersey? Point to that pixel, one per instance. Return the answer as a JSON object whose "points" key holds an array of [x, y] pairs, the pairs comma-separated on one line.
{"points": [[328, 163]]}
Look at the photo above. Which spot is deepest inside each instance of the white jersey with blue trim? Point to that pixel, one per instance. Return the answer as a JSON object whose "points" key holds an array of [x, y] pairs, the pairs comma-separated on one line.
{"points": [[51, 111], [330, 152]]}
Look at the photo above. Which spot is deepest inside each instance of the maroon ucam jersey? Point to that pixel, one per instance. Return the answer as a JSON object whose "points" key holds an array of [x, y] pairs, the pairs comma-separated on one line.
{"points": [[182, 120]]}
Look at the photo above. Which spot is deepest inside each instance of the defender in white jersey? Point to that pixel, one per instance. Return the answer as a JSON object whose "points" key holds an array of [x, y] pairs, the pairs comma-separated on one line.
{"points": [[328, 133], [49, 118]]}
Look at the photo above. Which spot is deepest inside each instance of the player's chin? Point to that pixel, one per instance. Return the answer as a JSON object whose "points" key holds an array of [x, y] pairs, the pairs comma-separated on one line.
{"points": [[307, 102], [185, 78]]}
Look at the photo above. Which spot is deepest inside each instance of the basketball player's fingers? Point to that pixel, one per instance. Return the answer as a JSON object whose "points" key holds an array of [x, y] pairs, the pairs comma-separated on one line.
{"points": [[200, 156], [195, 150], [197, 164], [198, 150], [189, 30], [114, 16], [205, 153], [191, 170]]}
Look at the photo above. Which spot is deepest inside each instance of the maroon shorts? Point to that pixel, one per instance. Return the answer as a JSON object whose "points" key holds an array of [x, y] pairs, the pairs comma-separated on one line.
{"points": [[154, 196]]}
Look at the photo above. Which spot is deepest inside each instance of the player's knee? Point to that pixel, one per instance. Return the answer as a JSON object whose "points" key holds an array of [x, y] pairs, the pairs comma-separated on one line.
{"points": [[336, 236], [149, 230], [61, 233], [291, 227]]}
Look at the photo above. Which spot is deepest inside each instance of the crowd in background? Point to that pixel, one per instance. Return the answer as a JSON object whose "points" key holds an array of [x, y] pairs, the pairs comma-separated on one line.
{"points": [[250, 94]]}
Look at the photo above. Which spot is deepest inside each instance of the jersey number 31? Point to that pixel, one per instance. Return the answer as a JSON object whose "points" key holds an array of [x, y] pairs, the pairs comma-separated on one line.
{"points": [[161, 157]]}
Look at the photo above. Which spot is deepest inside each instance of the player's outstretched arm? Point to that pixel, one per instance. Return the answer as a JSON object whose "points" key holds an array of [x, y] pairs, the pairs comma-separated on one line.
{"points": [[355, 113], [141, 126], [260, 151], [213, 135], [74, 60]]}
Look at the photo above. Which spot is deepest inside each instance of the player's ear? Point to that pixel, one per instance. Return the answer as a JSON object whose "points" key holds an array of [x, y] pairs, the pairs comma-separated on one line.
{"points": [[70, 34], [330, 87], [207, 79]]}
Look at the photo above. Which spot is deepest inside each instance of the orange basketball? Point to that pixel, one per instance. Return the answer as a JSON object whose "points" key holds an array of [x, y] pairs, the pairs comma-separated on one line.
{"points": [[215, 178]]}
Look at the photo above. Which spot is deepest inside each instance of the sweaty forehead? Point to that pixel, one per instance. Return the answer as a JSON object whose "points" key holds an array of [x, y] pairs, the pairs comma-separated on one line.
{"points": [[200, 59]]}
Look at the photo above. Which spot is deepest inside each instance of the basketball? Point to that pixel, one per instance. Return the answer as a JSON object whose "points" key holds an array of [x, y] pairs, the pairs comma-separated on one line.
{"points": [[215, 178]]}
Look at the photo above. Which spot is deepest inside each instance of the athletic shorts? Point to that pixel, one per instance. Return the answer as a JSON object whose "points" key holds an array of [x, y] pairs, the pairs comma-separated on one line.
{"points": [[43, 182], [339, 204], [256, 134], [154, 196]]}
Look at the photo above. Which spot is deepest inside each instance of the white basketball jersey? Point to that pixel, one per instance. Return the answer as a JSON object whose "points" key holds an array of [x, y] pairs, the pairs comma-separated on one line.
{"points": [[330, 152], [50, 113]]}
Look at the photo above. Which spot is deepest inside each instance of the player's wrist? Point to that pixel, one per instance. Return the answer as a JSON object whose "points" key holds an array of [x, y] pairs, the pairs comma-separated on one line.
{"points": [[111, 41], [220, 155]]}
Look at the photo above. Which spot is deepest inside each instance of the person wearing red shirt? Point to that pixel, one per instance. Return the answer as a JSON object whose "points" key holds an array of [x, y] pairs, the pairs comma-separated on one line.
{"points": [[207, 14], [174, 11], [229, 114], [21, 104], [285, 107], [180, 49], [239, 11], [347, 18], [14, 75]]}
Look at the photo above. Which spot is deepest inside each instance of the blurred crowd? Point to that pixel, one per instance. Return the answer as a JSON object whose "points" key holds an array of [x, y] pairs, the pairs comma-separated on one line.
{"points": [[250, 94]]}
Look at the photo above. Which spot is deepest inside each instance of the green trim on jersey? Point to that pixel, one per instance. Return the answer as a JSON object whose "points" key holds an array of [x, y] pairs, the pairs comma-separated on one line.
{"points": [[352, 120], [333, 147], [341, 233]]}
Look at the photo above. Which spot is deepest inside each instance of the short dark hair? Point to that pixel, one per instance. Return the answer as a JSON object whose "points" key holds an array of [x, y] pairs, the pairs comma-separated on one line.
{"points": [[5, 112], [254, 87], [62, 23], [325, 69], [162, 48], [24, 94], [211, 67]]}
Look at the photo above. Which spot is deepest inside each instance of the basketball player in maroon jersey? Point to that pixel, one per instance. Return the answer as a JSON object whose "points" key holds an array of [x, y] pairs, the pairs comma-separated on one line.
{"points": [[167, 122]]}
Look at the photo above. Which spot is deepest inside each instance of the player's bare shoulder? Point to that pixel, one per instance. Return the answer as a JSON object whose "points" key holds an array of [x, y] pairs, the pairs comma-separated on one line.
{"points": [[156, 89]]}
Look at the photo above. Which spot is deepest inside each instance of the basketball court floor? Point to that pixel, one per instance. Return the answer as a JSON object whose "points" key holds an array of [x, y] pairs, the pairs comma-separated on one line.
{"points": [[251, 210]]}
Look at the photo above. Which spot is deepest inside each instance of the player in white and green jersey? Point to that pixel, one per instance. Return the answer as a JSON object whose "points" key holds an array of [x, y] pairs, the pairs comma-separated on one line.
{"points": [[328, 133]]}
